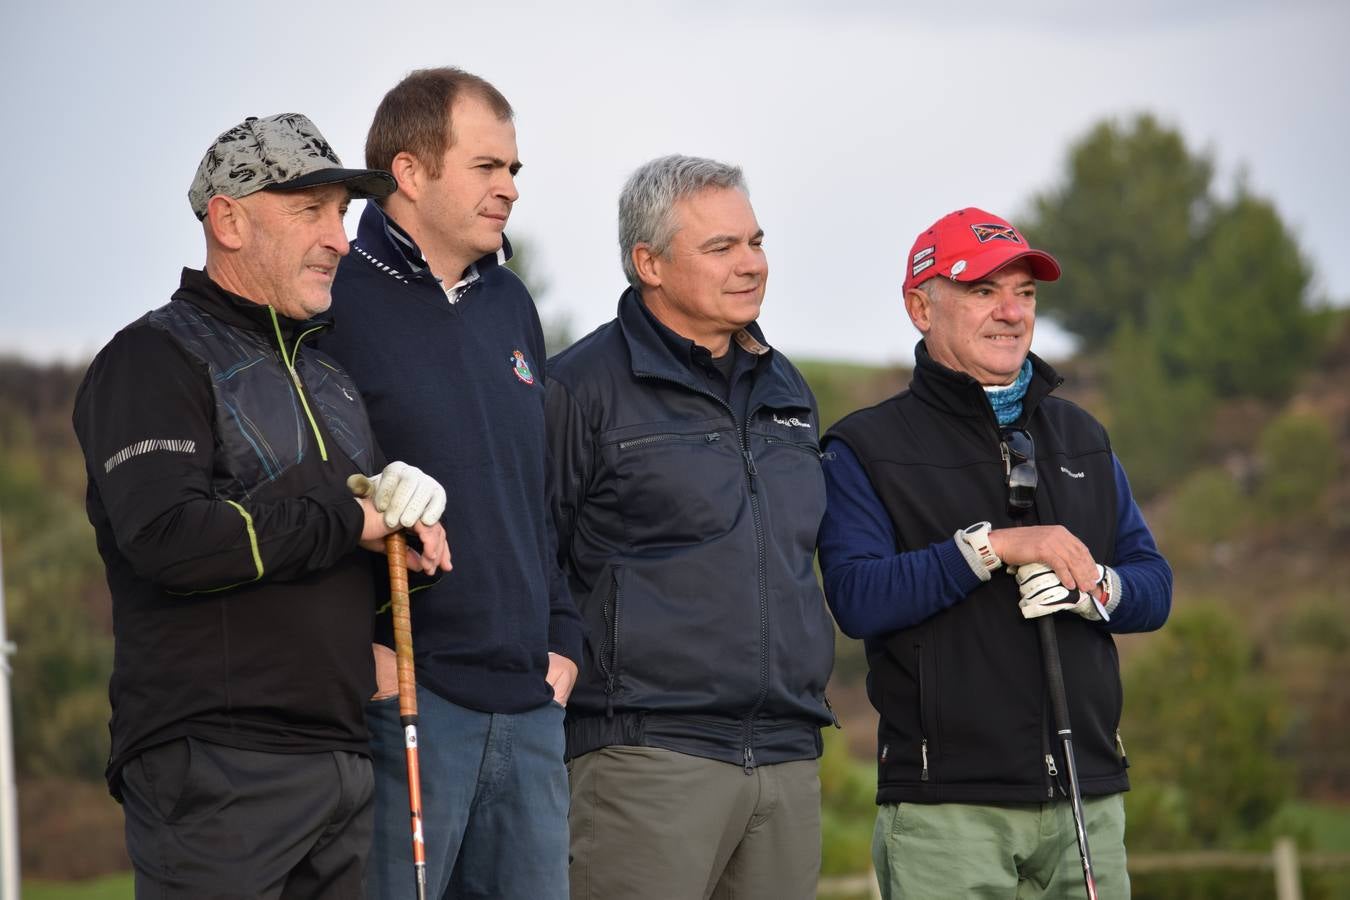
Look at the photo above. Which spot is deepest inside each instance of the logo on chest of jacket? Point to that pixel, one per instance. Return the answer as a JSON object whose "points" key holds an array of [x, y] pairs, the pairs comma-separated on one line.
{"points": [[1072, 474], [521, 367], [790, 421]]}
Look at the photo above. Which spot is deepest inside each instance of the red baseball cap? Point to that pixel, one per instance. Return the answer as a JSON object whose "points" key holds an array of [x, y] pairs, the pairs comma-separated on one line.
{"points": [[969, 244]]}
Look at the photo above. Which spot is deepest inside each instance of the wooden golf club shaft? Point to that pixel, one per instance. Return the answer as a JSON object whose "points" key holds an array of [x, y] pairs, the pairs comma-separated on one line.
{"points": [[396, 554]]}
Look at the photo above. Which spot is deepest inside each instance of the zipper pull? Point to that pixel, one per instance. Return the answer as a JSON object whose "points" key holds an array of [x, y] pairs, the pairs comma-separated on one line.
{"points": [[1120, 747], [749, 760], [923, 748], [835, 718], [750, 468], [713, 436]]}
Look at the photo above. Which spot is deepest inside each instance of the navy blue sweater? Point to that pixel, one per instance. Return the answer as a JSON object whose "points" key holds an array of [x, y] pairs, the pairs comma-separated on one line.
{"points": [[457, 389]]}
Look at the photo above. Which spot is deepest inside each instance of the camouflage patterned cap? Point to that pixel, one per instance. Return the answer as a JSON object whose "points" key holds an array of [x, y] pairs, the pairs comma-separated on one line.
{"points": [[283, 152]]}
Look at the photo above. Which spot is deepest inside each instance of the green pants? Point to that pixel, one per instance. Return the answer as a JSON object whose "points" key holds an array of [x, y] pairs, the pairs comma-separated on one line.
{"points": [[652, 824], [1008, 851]]}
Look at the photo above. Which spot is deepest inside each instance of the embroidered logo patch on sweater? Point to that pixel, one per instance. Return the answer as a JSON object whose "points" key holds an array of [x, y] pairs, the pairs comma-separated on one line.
{"points": [[521, 367]]}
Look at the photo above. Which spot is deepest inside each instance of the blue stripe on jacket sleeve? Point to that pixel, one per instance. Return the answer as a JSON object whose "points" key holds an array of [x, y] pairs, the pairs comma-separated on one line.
{"points": [[872, 589]]}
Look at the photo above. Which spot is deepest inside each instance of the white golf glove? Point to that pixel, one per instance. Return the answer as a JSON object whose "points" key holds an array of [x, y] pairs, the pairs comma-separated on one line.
{"points": [[1043, 594], [406, 494]]}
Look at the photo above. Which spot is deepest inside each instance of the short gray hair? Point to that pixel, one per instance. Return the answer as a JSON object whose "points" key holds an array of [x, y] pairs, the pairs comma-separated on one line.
{"points": [[647, 203], [933, 288]]}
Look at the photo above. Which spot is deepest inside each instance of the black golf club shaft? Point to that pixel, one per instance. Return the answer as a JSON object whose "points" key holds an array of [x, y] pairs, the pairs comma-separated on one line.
{"points": [[1054, 679]]}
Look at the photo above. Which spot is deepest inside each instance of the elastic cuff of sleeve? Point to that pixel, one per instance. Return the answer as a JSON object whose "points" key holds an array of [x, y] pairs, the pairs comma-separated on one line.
{"points": [[1115, 589], [972, 558]]}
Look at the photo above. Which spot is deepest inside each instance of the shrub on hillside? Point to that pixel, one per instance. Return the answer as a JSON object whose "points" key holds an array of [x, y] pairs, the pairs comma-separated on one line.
{"points": [[1208, 507], [1298, 461]]}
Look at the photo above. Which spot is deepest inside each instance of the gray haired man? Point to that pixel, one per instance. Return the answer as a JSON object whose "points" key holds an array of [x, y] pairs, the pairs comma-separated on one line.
{"points": [[687, 495], [218, 445]]}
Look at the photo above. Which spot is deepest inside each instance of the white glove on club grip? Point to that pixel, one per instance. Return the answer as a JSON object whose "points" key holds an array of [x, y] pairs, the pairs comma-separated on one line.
{"points": [[1043, 594], [406, 494]]}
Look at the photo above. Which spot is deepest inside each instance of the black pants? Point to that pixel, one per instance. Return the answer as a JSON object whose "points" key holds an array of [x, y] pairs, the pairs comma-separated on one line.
{"points": [[208, 821]]}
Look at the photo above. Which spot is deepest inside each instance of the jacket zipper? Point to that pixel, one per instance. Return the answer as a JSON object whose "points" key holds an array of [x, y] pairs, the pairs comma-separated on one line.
{"points": [[923, 743], [833, 717], [761, 553], [610, 610], [657, 438], [289, 361], [1051, 770]]}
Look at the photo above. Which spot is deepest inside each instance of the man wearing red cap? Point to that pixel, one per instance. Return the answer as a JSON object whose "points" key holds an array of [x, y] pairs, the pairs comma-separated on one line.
{"points": [[931, 494]]}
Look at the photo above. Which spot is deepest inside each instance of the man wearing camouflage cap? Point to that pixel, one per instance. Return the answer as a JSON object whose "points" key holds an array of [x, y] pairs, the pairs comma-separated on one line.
{"points": [[217, 446]]}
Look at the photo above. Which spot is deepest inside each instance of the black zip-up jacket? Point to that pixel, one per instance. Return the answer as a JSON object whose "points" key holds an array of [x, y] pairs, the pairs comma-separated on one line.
{"points": [[964, 711], [688, 539], [217, 447]]}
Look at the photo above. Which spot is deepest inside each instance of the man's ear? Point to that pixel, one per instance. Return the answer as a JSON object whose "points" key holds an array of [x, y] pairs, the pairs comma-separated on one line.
{"points": [[410, 174], [919, 307], [226, 221], [648, 265]]}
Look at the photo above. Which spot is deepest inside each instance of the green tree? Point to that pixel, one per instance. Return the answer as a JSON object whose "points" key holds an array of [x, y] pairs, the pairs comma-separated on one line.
{"points": [[1204, 726], [1158, 423], [1241, 319], [1127, 223]]}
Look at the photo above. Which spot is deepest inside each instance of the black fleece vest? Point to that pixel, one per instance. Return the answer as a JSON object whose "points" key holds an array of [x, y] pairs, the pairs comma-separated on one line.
{"points": [[964, 711]]}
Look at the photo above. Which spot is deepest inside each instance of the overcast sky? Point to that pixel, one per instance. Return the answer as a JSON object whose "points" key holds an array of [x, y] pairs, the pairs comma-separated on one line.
{"points": [[857, 125]]}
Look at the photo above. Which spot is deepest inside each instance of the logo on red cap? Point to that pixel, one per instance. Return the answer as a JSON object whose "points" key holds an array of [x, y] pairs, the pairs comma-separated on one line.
{"points": [[986, 233]]}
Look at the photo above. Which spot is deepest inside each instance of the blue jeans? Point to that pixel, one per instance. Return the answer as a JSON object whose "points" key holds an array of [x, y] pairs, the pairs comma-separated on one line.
{"points": [[494, 802]]}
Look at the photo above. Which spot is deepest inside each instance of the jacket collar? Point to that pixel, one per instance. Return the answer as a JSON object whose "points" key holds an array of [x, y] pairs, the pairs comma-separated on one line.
{"points": [[383, 242], [197, 287], [654, 355], [959, 394]]}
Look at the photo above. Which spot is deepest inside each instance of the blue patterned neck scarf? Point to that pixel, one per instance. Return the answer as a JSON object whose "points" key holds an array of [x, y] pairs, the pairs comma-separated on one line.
{"points": [[1007, 401]]}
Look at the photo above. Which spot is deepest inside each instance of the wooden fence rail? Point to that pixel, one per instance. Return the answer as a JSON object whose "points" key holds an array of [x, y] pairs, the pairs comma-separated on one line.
{"points": [[1284, 859]]}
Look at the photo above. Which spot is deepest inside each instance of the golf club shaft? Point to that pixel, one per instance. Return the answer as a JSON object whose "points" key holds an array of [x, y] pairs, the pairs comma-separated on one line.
{"points": [[396, 554], [396, 549], [1054, 679]]}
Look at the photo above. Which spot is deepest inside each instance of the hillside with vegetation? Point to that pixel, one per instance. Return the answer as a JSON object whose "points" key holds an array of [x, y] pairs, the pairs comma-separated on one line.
{"points": [[1225, 384]]}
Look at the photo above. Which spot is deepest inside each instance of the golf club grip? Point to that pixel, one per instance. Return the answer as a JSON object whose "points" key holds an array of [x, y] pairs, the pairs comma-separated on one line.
{"points": [[396, 549], [1054, 674]]}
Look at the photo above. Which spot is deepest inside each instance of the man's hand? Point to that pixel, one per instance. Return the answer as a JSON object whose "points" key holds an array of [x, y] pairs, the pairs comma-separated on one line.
{"points": [[562, 675], [386, 672], [435, 549], [406, 495], [1043, 594], [1052, 545]]}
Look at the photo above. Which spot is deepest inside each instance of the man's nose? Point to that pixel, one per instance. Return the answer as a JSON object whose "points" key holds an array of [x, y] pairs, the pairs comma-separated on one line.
{"points": [[1010, 307], [752, 261], [335, 237], [506, 187]]}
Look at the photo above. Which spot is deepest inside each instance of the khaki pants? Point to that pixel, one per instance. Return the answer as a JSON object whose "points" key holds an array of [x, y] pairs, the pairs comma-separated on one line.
{"points": [[660, 825], [1011, 851]]}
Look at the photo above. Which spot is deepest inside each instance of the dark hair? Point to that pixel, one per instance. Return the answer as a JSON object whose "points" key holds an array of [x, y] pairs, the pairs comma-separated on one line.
{"points": [[415, 116]]}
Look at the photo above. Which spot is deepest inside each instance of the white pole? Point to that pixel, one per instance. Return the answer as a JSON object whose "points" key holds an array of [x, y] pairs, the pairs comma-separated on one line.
{"points": [[1287, 886], [9, 818]]}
